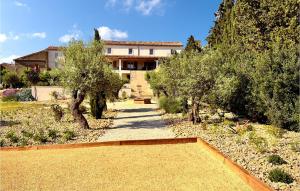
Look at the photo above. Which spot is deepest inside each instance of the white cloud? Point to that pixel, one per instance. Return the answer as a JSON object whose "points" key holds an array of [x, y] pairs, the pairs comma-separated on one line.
{"points": [[3, 37], [39, 35], [110, 3], [73, 34], [8, 59], [147, 6], [112, 34], [20, 4]]}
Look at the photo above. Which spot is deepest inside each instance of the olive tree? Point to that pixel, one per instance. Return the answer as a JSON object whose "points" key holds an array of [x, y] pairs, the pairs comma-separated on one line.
{"points": [[85, 70]]}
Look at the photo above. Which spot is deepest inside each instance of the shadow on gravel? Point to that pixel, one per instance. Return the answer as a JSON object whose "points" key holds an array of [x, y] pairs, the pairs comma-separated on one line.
{"points": [[139, 116], [149, 124], [137, 110]]}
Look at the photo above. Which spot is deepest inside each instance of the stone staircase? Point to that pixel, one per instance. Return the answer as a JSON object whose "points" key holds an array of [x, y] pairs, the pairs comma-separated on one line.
{"points": [[139, 86]]}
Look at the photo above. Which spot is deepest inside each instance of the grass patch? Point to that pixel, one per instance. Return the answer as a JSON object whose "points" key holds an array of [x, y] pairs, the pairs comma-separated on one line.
{"points": [[278, 175], [259, 143], [68, 135], [275, 131], [276, 160]]}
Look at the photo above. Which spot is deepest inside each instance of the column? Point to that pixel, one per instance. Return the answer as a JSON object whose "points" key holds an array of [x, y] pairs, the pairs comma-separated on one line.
{"points": [[120, 67], [156, 61]]}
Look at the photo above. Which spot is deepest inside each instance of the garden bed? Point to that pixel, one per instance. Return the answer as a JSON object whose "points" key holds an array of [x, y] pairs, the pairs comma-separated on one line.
{"points": [[250, 148], [33, 123], [135, 165]]}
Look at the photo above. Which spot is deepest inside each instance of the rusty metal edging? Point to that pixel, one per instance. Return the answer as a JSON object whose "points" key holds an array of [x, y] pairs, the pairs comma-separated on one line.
{"points": [[251, 180], [97, 144]]}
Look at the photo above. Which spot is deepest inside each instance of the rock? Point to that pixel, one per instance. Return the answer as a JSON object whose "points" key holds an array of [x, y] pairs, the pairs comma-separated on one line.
{"points": [[215, 119], [230, 116]]}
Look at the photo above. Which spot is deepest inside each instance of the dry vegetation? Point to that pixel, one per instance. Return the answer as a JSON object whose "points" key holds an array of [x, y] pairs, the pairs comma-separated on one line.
{"points": [[34, 123]]}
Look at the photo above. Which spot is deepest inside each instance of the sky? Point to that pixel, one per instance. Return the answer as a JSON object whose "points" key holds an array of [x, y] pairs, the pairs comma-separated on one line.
{"points": [[28, 26]]}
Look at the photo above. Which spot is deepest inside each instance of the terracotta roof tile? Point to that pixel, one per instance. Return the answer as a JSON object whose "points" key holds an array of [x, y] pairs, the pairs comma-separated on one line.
{"points": [[142, 43]]}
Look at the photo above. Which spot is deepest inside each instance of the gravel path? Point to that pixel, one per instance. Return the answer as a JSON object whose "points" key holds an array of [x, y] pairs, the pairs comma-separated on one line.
{"points": [[135, 122]]}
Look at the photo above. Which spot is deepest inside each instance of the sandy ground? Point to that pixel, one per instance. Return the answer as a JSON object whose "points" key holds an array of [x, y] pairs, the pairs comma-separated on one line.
{"points": [[149, 167], [136, 121]]}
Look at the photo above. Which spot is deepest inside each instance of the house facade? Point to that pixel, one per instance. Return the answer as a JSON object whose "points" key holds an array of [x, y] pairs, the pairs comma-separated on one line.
{"points": [[130, 59]]}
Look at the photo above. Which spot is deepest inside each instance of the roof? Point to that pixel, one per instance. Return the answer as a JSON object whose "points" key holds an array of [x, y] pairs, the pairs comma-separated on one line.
{"points": [[143, 43]]}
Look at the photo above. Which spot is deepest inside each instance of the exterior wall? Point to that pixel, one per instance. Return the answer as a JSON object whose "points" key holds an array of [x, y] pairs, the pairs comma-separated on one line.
{"points": [[42, 93], [159, 51], [52, 60]]}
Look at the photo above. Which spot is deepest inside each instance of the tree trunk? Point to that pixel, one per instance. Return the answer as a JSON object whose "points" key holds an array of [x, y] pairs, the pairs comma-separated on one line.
{"points": [[98, 104], [194, 115], [77, 99], [185, 105]]}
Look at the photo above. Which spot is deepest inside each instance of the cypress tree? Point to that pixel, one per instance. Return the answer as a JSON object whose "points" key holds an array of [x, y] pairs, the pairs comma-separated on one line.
{"points": [[98, 99]]}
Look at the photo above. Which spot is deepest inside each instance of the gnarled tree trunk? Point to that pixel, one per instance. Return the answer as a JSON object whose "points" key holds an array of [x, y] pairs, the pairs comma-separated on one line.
{"points": [[194, 115], [77, 99]]}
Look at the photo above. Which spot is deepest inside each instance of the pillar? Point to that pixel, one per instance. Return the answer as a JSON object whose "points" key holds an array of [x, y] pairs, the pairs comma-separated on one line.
{"points": [[156, 61], [120, 67]]}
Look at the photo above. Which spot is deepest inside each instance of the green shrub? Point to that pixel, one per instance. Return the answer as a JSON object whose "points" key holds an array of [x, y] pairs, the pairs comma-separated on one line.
{"points": [[27, 134], [53, 134], [276, 160], [9, 98], [278, 175], [40, 136], [23, 141], [57, 112], [2, 143], [68, 135], [124, 95], [11, 135], [24, 95], [45, 78], [11, 79], [170, 105], [259, 143]]}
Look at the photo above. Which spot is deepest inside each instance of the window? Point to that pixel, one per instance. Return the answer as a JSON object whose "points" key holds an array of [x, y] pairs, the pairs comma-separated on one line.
{"points": [[56, 59], [130, 51], [173, 51], [151, 51], [130, 66], [108, 50]]}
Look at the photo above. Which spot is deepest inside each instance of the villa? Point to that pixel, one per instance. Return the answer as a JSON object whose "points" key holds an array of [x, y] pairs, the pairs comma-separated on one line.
{"points": [[130, 59]]}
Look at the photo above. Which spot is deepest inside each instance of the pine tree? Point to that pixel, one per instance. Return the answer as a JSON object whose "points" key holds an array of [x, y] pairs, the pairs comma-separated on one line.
{"points": [[193, 45]]}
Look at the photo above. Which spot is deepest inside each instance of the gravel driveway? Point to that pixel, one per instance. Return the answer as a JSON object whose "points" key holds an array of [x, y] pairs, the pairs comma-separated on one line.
{"points": [[135, 122]]}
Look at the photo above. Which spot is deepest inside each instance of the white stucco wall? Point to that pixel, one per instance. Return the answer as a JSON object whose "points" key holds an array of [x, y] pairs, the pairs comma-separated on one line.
{"points": [[141, 50], [52, 59]]}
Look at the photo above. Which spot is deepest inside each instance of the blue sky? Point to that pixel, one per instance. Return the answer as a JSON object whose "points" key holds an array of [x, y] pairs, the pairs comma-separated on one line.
{"points": [[27, 26]]}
